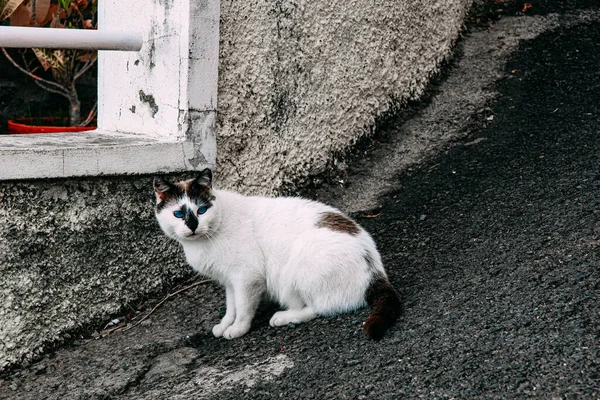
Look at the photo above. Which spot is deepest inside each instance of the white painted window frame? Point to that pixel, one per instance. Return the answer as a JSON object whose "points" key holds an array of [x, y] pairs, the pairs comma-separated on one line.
{"points": [[156, 107]]}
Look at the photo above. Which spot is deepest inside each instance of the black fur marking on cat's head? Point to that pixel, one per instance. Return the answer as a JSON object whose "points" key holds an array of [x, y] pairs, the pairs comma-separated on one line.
{"points": [[190, 218], [204, 178], [166, 193], [187, 210], [199, 189]]}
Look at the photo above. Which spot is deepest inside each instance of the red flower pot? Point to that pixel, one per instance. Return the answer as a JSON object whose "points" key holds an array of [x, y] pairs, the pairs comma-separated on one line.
{"points": [[26, 125]]}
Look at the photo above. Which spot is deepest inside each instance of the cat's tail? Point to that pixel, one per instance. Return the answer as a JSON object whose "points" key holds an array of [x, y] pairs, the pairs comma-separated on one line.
{"points": [[386, 306]]}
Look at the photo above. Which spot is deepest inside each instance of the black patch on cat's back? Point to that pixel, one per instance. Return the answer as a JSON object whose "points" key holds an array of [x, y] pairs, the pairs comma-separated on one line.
{"points": [[338, 222]]}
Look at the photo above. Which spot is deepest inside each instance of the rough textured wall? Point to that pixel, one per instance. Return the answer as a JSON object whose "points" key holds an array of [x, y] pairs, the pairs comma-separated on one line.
{"points": [[72, 252], [301, 80]]}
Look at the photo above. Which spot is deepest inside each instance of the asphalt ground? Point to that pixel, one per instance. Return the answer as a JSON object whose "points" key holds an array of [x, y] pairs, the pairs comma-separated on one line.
{"points": [[494, 245]]}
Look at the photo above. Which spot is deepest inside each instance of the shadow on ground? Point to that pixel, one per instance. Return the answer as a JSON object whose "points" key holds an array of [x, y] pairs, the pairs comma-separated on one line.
{"points": [[494, 245]]}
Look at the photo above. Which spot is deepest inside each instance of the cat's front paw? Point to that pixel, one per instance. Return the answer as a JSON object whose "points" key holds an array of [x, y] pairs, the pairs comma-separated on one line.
{"points": [[222, 326], [280, 318], [219, 329], [235, 331]]}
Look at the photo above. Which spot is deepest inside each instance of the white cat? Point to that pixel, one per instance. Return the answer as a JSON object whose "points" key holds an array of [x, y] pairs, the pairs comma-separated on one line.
{"points": [[307, 256]]}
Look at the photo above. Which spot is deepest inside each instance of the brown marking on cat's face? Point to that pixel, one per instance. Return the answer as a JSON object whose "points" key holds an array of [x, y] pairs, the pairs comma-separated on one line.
{"points": [[184, 186], [338, 222]]}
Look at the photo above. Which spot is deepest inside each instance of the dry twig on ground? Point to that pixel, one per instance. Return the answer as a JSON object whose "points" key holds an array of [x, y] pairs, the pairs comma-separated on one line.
{"points": [[125, 327]]}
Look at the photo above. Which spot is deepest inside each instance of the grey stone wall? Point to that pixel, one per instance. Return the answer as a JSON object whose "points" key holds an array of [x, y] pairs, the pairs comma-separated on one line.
{"points": [[73, 252]]}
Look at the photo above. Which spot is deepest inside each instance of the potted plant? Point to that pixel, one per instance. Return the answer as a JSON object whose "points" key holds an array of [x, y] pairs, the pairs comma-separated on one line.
{"points": [[54, 70]]}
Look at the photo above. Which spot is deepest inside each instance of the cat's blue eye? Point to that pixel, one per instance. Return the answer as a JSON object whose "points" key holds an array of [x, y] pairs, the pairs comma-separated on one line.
{"points": [[202, 210], [178, 214]]}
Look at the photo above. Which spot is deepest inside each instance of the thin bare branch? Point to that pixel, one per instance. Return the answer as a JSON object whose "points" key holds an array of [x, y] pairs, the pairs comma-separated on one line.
{"points": [[34, 12], [91, 115], [51, 90], [73, 58], [78, 12], [128, 327], [77, 70], [33, 76], [88, 64]]}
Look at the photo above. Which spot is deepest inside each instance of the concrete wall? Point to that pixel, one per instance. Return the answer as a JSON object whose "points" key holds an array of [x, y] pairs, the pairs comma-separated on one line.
{"points": [[298, 81], [73, 252], [302, 80]]}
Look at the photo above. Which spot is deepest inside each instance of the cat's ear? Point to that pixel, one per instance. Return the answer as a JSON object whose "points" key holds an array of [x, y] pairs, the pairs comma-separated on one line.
{"points": [[204, 178], [161, 187]]}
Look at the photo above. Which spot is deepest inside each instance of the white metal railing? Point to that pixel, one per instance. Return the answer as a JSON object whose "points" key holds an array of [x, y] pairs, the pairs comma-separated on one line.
{"points": [[83, 39]]}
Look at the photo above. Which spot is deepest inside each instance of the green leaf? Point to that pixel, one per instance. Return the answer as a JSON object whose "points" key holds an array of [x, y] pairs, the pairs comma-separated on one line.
{"points": [[65, 4]]}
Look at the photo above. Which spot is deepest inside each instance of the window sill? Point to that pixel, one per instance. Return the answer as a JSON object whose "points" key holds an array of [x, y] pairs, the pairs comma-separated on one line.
{"points": [[96, 153]]}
